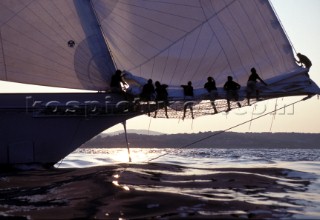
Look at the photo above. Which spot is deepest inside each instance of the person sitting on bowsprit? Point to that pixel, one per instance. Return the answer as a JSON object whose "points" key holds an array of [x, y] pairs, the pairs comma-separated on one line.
{"points": [[188, 96], [232, 91], [252, 84]]}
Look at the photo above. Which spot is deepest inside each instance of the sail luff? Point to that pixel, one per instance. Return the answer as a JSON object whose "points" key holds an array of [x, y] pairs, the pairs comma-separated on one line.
{"points": [[275, 44], [102, 32]]}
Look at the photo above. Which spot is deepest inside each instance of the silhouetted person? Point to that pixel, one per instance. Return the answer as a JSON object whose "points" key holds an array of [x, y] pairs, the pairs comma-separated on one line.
{"points": [[188, 96], [117, 81], [232, 91], [147, 93], [252, 84], [210, 86], [161, 96], [304, 61]]}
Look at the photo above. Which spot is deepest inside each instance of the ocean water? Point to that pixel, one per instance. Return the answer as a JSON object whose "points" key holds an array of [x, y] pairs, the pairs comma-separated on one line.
{"points": [[298, 195], [86, 157], [201, 183]]}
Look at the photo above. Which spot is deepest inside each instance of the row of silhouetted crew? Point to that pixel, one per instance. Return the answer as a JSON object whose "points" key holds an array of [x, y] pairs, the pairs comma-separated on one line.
{"points": [[160, 95]]}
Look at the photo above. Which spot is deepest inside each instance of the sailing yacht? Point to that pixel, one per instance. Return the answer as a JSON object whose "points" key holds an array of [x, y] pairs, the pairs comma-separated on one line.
{"points": [[80, 44]]}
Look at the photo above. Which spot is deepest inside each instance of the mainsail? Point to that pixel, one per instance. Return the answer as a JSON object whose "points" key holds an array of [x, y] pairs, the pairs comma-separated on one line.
{"points": [[53, 43], [80, 43]]}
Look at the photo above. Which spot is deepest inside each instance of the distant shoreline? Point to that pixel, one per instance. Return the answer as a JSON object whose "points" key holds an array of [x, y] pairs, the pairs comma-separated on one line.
{"points": [[231, 140]]}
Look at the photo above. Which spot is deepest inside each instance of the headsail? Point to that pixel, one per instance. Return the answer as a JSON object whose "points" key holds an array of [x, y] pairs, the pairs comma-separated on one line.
{"points": [[175, 40], [182, 40]]}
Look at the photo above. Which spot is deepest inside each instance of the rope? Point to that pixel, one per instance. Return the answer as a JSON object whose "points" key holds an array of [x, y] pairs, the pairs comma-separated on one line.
{"points": [[274, 115], [230, 128], [149, 125], [254, 108], [128, 148]]}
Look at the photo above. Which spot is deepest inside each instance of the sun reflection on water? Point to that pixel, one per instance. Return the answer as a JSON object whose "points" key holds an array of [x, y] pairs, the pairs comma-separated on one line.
{"points": [[103, 156], [216, 175]]}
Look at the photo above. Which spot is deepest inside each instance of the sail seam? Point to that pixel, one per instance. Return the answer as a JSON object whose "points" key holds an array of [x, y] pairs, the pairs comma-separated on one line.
{"points": [[54, 19], [177, 62], [192, 52], [26, 49], [39, 31], [62, 28], [283, 32], [32, 39], [165, 66], [48, 36], [243, 37], [16, 13], [162, 12], [224, 28], [202, 60], [233, 44], [4, 59], [179, 39], [267, 28]]}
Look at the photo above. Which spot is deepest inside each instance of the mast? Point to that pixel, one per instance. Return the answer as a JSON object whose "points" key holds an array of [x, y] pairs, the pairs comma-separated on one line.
{"points": [[102, 32]]}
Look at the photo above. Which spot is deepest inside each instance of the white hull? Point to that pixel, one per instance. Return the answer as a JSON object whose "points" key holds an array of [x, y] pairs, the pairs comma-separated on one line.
{"points": [[44, 128]]}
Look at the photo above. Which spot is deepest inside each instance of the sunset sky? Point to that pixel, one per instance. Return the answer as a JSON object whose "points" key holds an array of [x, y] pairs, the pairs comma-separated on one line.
{"points": [[301, 20]]}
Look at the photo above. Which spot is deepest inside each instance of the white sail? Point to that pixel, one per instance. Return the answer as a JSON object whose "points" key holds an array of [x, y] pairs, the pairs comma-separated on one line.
{"points": [[55, 43], [180, 40], [80, 43]]}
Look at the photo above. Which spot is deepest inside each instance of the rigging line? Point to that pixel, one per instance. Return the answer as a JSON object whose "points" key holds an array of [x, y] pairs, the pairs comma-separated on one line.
{"points": [[274, 115], [254, 108], [126, 135], [230, 128], [149, 125], [102, 33], [284, 30]]}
